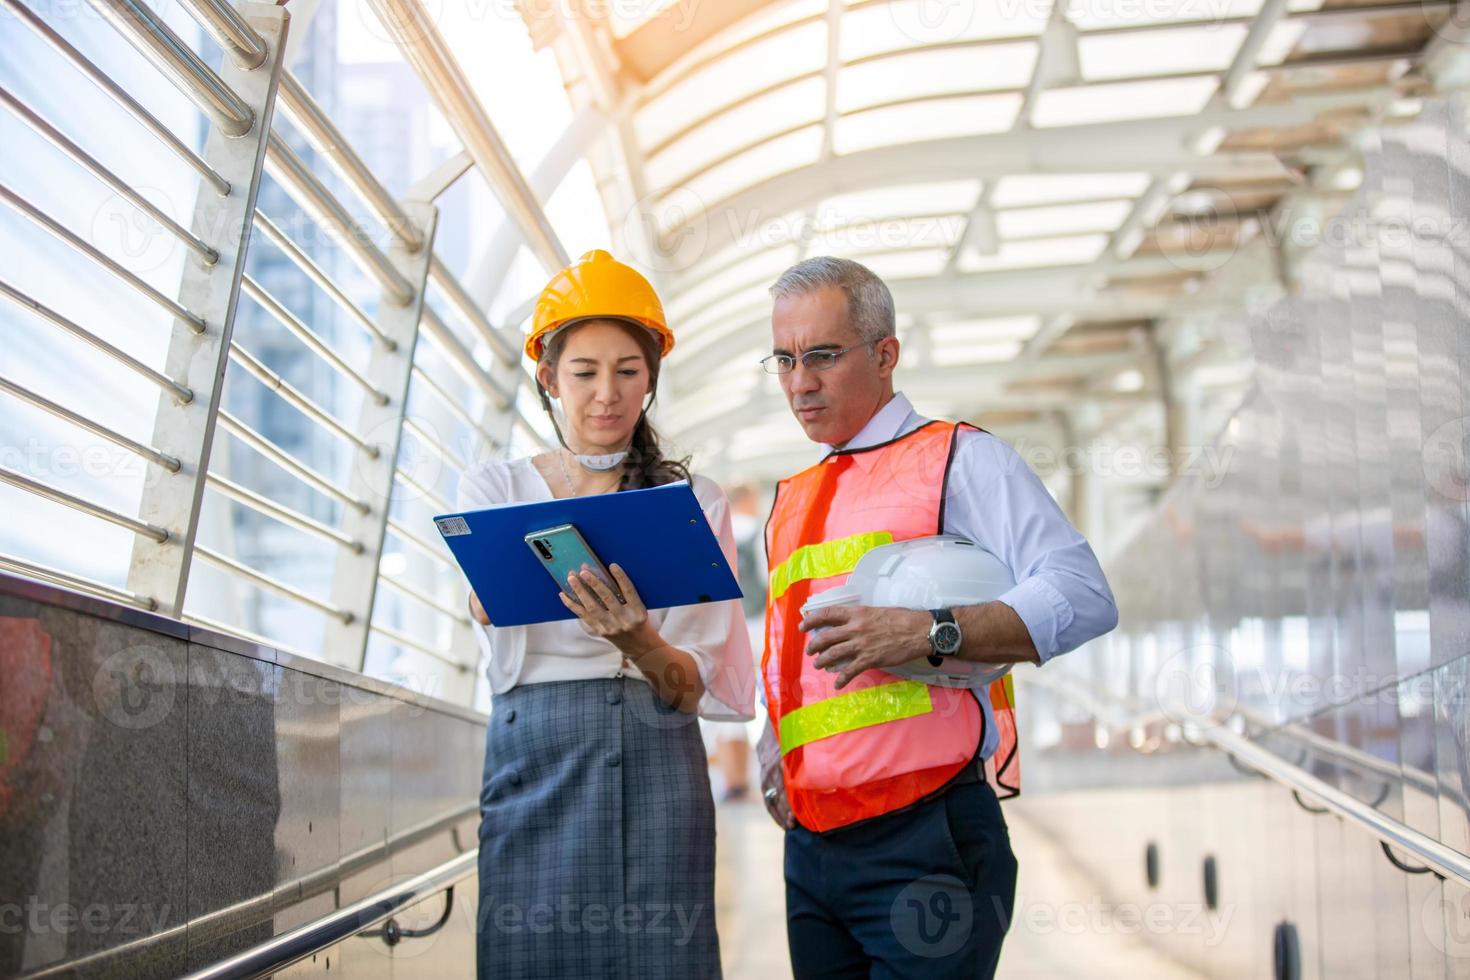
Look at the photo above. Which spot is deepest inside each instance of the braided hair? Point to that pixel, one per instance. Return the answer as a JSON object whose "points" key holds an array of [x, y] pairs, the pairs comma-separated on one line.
{"points": [[645, 464]]}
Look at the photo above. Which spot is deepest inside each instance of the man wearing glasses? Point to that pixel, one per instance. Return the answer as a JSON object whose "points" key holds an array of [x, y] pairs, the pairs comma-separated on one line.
{"points": [[898, 860]]}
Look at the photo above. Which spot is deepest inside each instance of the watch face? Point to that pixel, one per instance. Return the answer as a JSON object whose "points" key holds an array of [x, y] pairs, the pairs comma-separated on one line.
{"points": [[947, 638]]}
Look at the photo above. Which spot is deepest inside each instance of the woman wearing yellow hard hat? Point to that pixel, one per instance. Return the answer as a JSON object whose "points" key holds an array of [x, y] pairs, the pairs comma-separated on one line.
{"points": [[597, 821]]}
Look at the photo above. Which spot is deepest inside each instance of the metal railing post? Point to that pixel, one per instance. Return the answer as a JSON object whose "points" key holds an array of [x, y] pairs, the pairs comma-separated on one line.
{"points": [[355, 580], [197, 359]]}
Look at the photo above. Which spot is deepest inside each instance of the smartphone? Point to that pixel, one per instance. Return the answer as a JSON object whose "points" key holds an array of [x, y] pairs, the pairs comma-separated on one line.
{"points": [[562, 550]]}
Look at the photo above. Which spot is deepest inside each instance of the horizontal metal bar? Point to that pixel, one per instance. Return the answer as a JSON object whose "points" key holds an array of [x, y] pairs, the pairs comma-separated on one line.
{"points": [[404, 534], [465, 305], [270, 583], [289, 463], [404, 588], [328, 140], [316, 274], [80, 583], [1216, 732], [429, 384], [1442, 858], [232, 919], [176, 61], [56, 495], [181, 393], [66, 235], [292, 394], [96, 428], [433, 496], [439, 334], [231, 31], [436, 445], [116, 92], [307, 190], [273, 955], [309, 337], [91, 164], [259, 502], [403, 639]]}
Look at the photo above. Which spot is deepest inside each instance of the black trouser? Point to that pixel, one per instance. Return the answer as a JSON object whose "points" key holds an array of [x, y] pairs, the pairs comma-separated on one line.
{"points": [[923, 892]]}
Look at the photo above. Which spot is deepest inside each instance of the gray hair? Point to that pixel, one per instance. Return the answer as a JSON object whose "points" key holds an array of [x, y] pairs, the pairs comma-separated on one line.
{"points": [[869, 303]]}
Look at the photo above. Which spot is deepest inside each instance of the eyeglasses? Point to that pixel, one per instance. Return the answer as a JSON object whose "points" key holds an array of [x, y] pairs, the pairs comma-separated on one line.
{"points": [[812, 360]]}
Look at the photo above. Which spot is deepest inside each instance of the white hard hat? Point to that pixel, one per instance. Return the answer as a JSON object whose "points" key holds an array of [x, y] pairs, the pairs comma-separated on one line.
{"points": [[937, 572]]}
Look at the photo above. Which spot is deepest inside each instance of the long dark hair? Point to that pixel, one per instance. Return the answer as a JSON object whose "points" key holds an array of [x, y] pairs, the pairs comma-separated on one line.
{"points": [[645, 465]]}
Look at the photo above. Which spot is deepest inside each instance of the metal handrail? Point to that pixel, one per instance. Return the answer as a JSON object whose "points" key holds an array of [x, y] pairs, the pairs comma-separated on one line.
{"points": [[262, 504], [438, 333], [81, 421], [309, 337], [403, 639], [71, 580], [230, 30], [250, 912], [1443, 859], [298, 399], [328, 140], [92, 508], [177, 62], [292, 947], [64, 234], [398, 530], [115, 92], [51, 134], [181, 393], [317, 275], [270, 583], [250, 437], [307, 190]]}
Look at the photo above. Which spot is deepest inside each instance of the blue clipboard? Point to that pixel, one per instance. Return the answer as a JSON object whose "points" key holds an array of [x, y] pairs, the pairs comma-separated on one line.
{"points": [[659, 536]]}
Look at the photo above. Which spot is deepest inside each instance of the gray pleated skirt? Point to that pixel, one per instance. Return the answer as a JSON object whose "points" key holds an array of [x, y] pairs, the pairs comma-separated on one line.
{"points": [[597, 836]]}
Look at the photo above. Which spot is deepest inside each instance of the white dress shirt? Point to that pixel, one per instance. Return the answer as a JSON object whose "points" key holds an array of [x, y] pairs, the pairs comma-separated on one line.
{"points": [[713, 633], [996, 501]]}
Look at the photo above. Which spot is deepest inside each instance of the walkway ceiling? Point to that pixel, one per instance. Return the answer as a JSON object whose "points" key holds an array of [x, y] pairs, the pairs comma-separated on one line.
{"points": [[1045, 187]]}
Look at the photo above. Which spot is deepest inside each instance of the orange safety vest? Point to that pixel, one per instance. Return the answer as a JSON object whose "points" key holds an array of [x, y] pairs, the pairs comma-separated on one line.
{"points": [[882, 742]]}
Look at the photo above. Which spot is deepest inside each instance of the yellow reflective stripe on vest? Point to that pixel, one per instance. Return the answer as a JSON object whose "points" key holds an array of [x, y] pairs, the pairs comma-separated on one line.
{"points": [[854, 710], [825, 560]]}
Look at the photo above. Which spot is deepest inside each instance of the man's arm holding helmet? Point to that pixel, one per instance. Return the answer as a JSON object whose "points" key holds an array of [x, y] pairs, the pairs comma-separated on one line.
{"points": [[1060, 600]]}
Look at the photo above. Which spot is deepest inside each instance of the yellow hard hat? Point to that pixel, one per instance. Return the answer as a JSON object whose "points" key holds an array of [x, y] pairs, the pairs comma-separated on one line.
{"points": [[596, 285]]}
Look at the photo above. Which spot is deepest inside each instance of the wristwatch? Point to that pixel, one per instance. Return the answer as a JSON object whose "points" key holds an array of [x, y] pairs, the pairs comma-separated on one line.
{"points": [[944, 636]]}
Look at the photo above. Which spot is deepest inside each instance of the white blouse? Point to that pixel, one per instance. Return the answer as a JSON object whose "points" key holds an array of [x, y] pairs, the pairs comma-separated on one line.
{"points": [[713, 633]]}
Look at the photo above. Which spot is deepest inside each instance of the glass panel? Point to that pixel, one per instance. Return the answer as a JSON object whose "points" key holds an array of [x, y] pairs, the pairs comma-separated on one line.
{"points": [[935, 72], [993, 352], [772, 157], [1159, 52], [768, 115], [1023, 190], [1071, 250], [786, 55], [1123, 100], [987, 330], [1089, 15], [769, 17], [935, 197], [1062, 220], [966, 116], [889, 234], [909, 23], [914, 264], [759, 270]]}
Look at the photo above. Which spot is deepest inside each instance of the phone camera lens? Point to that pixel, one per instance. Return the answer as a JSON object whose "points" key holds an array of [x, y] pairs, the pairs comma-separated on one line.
{"points": [[543, 548]]}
